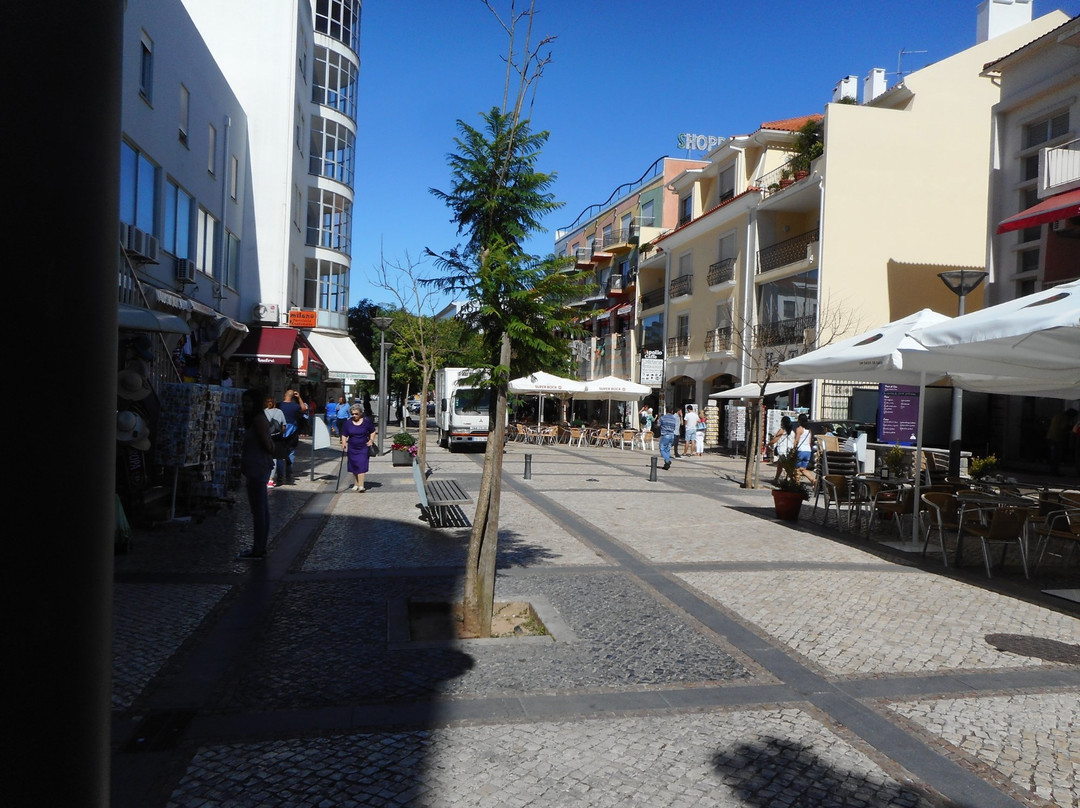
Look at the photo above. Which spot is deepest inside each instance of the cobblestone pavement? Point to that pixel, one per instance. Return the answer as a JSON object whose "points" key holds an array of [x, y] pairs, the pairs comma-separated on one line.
{"points": [[701, 653]]}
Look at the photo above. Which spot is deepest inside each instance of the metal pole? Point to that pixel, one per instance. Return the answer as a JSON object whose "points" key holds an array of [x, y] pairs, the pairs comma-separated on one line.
{"points": [[382, 390], [528, 467], [652, 469], [956, 425]]}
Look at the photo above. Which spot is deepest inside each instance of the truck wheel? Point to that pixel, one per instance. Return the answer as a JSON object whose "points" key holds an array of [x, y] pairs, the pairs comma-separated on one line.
{"points": [[442, 440]]}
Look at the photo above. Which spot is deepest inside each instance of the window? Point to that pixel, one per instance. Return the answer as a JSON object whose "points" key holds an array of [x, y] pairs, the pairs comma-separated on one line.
{"points": [[329, 220], [138, 189], [682, 326], [1048, 128], [234, 176], [185, 105], [333, 151], [326, 285], [727, 183], [1028, 198], [686, 264], [177, 221], [624, 223], [146, 68], [334, 83], [205, 239], [232, 260], [647, 218], [1027, 261], [726, 247], [339, 19], [686, 209], [607, 235], [793, 297], [211, 148], [723, 315]]}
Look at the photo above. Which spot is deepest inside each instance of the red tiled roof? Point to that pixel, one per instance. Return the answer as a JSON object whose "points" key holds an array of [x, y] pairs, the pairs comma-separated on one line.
{"points": [[725, 203], [791, 124]]}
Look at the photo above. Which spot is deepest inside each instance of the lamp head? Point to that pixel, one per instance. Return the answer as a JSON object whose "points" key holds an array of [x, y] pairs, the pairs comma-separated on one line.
{"points": [[963, 282], [382, 323]]}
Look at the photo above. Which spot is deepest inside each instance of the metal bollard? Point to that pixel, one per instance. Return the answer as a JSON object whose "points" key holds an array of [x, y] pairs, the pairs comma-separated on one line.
{"points": [[652, 469], [528, 467]]}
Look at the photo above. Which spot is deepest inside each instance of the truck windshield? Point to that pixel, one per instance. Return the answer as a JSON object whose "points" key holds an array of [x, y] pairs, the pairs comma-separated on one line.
{"points": [[471, 402]]}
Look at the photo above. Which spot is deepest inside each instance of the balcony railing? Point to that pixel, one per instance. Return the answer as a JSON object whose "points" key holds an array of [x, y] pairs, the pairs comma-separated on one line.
{"points": [[678, 346], [722, 271], [786, 252], [784, 332], [681, 285], [621, 236], [719, 339], [1059, 167], [652, 299]]}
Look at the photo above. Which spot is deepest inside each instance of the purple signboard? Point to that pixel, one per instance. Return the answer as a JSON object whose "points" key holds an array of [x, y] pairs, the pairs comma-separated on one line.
{"points": [[899, 407]]}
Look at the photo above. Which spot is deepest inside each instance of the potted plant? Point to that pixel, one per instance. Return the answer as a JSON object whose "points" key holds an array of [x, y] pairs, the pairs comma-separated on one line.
{"points": [[402, 449], [786, 177], [893, 462], [789, 494], [979, 467]]}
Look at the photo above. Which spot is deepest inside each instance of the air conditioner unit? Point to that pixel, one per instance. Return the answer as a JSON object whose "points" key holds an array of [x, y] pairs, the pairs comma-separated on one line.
{"points": [[185, 270], [266, 313], [142, 245]]}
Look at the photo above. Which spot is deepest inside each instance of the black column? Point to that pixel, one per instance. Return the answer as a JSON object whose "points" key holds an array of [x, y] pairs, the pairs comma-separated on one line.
{"points": [[62, 138]]}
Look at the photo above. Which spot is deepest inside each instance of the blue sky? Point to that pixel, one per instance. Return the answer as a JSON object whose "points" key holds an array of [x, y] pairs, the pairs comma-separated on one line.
{"points": [[625, 79]]}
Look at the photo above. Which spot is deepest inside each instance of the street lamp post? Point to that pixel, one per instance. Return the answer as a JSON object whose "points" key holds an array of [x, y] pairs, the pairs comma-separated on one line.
{"points": [[382, 323], [961, 282]]}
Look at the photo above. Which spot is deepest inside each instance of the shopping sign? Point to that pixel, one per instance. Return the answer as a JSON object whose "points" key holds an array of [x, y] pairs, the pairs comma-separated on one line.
{"points": [[652, 372]]}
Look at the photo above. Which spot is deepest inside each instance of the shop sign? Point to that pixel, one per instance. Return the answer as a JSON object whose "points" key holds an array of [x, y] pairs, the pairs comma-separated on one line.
{"points": [[652, 372], [298, 318], [693, 142]]}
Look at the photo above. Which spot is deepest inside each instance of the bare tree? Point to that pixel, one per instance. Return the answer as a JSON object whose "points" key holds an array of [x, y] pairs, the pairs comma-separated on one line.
{"points": [[761, 352], [427, 340]]}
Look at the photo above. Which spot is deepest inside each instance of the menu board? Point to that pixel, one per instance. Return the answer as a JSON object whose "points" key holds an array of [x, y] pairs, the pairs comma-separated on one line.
{"points": [[899, 407]]}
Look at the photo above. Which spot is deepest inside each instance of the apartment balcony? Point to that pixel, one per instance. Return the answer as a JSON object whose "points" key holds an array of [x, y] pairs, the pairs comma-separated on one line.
{"points": [[681, 286], [621, 240], [1059, 168], [718, 340], [789, 251], [779, 179], [583, 257], [722, 271], [678, 346], [620, 284], [784, 332], [650, 300]]}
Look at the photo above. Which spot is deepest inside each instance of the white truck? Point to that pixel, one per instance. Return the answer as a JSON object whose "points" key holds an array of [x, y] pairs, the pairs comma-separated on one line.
{"points": [[461, 409]]}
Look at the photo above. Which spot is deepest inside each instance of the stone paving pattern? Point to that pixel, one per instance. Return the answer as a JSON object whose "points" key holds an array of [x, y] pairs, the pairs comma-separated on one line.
{"points": [[644, 705]]}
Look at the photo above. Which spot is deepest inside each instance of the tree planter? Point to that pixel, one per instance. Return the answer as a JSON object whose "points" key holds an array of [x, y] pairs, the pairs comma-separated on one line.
{"points": [[401, 457], [787, 504]]}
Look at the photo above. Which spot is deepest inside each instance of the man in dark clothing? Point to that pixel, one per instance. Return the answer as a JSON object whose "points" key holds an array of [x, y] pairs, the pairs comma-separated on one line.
{"points": [[293, 408]]}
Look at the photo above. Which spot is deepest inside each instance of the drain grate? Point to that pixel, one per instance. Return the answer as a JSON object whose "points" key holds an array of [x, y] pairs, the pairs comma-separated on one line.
{"points": [[159, 731], [1038, 647]]}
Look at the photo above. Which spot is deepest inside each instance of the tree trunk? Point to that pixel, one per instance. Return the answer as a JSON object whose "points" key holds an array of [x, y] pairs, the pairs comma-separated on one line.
{"points": [[421, 437], [479, 600], [753, 443]]}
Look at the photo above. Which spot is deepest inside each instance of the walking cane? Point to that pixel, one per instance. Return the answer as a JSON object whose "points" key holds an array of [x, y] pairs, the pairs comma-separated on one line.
{"points": [[337, 483]]}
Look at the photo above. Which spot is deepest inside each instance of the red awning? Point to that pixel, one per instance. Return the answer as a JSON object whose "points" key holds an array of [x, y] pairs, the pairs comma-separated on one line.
{"points": [[1058, 206], [268, 346]]}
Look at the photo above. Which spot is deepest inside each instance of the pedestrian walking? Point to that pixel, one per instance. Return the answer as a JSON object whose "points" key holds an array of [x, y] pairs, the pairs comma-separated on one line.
{"points": [[781, 444], [295, 411], [256, 462], [275, 420], [690, 426], [356, 436], [679, 431], [699, 433], [669, 429], [331, 417], [341, 414]]}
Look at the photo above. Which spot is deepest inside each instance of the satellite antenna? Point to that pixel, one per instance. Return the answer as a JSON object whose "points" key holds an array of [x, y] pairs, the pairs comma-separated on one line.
{"points": [[899, 62]]}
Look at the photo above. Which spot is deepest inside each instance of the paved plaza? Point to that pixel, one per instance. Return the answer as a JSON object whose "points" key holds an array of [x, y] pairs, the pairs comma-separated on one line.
{"points": [[701, 653]]}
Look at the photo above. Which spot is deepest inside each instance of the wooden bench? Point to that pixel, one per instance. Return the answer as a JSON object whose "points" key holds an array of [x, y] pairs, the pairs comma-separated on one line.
{"points": [[440, 500]]}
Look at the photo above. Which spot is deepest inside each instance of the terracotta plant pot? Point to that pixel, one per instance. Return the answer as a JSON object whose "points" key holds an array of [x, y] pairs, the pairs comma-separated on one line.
{"points": [[787, 504], [401, 457]]}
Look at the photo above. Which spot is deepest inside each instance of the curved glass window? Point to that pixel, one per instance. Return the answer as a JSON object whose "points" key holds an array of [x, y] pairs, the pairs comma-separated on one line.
{"points": [[340, 20], [334, 84], [326, 285], [329, 220], [332, 151]]}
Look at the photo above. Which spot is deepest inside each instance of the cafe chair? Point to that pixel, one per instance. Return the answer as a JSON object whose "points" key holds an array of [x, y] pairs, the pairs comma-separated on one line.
{"points": [[628, 436], [1057, 526], [1003, 525], [895, 503], [838, 491], [943, 515], [846, 464]]}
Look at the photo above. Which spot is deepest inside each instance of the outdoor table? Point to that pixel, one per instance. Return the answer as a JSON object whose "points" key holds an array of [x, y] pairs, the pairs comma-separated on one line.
{"points": [[889, 483]]}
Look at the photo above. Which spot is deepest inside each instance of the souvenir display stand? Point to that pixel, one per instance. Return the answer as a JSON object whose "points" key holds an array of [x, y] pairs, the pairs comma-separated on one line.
{"points": [[199, 438]]}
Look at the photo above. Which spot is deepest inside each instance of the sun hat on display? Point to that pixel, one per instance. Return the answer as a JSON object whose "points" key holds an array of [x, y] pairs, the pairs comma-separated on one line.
{"points": [[132, 385], [130, 428]]}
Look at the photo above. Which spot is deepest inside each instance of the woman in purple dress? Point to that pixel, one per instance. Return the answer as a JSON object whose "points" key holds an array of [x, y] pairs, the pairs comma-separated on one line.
{"points": [[356, 435]]}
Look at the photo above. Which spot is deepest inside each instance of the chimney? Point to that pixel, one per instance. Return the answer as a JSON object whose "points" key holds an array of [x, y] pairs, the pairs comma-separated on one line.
{"points": [[847, 87], [873, 85], [997, 17]]}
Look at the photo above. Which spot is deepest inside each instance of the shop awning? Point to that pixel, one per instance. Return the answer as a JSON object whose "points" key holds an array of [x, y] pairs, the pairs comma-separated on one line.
{"points": [[268, 346], [1058, 206], [754, 390], [340, 356], [135, 318]]}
